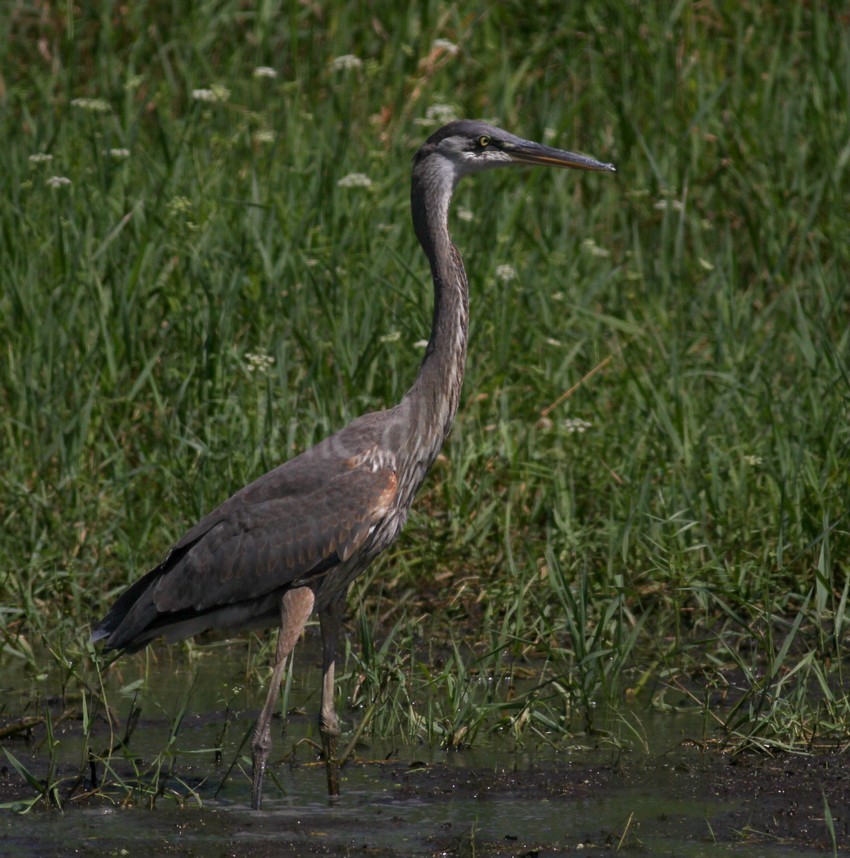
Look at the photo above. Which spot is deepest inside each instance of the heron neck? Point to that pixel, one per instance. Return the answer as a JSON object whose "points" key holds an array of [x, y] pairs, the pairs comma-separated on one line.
{"points": [[434, 396]]}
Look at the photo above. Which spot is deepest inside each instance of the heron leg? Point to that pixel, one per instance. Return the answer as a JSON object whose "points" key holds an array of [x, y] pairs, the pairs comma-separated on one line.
{"points": [[295, 609], [329, 621]]}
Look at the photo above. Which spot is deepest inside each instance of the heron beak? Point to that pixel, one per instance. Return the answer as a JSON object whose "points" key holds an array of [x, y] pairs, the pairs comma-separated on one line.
{"points": [[534, 153]]}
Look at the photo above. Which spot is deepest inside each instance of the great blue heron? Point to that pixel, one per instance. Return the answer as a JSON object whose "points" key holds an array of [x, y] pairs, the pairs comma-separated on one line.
{"points": [[291, 542]]}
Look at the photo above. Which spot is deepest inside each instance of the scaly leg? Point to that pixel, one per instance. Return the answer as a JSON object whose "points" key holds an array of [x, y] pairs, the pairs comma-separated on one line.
{"points": [[295, 609], [329, 621]]}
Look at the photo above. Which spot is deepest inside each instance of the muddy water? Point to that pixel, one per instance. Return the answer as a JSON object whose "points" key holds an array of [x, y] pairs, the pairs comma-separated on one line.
{"points": [[664, 799]]}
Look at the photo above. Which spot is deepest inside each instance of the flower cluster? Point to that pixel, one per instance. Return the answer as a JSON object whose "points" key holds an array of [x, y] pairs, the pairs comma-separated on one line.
{"points": [[438, 114], [575, 425], [347, 62], [215, 94], [259, 362], [179, 205], [95, 105], [355, 180], [591, 247]]}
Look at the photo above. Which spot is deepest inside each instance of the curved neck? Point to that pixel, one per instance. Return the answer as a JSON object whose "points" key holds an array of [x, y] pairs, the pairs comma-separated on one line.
{"points": [[433, 399]]}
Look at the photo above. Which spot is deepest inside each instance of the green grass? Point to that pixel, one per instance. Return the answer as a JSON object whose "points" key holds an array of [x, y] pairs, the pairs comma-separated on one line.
{"points": [[678, 522]]}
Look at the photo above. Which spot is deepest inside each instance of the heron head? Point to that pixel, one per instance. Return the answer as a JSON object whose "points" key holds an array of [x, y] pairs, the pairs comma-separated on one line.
{"points": [[468, 146]]}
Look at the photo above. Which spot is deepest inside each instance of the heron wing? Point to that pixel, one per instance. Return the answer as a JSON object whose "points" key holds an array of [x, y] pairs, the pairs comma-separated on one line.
{"points": [[262, 540], [296, 522]]}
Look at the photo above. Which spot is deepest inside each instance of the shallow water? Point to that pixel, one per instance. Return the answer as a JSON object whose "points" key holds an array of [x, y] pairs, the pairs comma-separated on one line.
{"points": [[494, 799], [371, 818]]}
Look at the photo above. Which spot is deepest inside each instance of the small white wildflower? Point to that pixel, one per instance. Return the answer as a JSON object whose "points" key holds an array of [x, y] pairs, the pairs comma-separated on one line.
{"points": [[557, 296], [553, 342], [259, 362], [134, 82], [505, 273], [549, 135], [179, 205], [441, 112], [95, 105], [753, 461], [216, 93], [40, 158], [58, 182], [465, 214], [119, 154], [265, 71], [264, 136], [355, 180], [393, 337], [576, 425], [347, 62], [705, 264], [444, 45], [593, 248], [438, 114], [676, 205]]}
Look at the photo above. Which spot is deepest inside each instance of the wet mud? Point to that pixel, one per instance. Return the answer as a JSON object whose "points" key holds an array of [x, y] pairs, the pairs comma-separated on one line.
{"points": [[688, 803]]}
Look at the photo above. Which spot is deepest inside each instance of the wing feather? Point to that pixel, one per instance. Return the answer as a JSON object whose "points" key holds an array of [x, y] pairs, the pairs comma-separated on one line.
{"points": [[255, 548]]}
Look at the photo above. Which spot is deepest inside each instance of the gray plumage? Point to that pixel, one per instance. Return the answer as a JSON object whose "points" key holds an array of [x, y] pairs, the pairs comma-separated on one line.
{"points": [[290, 543]]}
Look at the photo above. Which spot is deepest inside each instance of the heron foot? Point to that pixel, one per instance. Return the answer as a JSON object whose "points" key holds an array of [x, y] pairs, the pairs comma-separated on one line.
{"points": [[260, 748], [329, 742]]}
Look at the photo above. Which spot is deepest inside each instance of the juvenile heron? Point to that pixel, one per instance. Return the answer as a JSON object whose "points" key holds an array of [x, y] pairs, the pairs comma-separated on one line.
{"points": [[290, 543]]}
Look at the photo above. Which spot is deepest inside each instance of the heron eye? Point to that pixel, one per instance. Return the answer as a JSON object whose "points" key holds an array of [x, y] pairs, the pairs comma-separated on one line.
{"points": [[483, 141]]}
